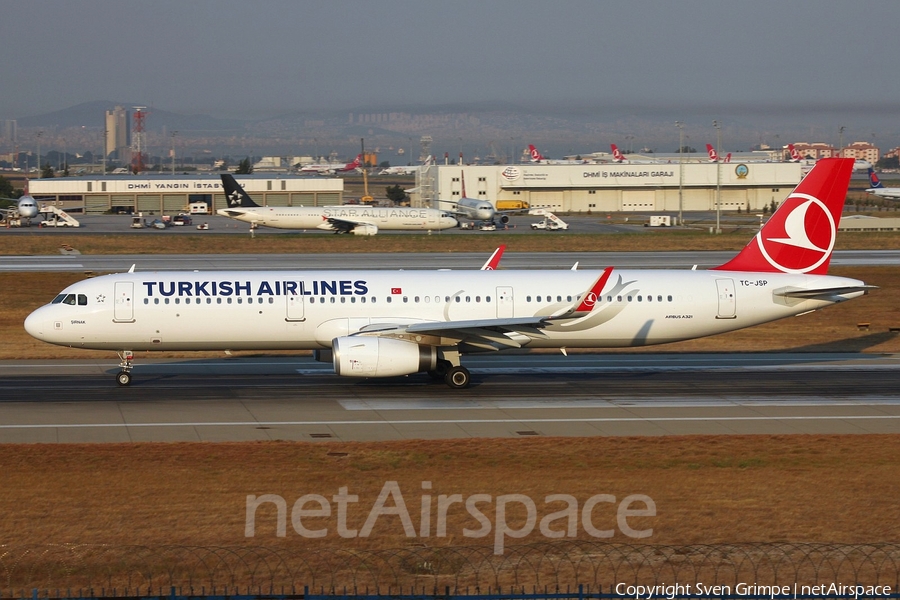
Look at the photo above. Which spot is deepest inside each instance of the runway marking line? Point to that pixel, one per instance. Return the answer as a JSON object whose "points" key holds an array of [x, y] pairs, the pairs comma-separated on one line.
{"points": [[451, 421]]}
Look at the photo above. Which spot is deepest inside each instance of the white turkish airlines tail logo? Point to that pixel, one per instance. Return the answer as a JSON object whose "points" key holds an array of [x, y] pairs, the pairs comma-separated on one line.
{"points": [[617, 154], [797, 236], [795, 227], [535, 155]]}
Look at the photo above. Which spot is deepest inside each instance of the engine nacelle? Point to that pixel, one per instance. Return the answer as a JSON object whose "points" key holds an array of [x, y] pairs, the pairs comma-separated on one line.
{"points": [[367, 356], [365, 229], [504, 219]]}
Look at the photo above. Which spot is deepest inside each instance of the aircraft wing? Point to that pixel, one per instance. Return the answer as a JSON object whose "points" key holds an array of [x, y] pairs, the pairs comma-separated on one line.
{"points": [[344, 225], [481, 334], [491, 334]]}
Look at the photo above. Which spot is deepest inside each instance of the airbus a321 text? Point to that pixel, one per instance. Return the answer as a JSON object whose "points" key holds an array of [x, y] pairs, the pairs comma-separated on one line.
{"points": [[392, 323]]}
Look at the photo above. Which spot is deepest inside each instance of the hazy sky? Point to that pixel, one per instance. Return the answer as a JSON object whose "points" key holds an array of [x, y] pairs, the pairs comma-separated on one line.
{"points": [[240, 58]]}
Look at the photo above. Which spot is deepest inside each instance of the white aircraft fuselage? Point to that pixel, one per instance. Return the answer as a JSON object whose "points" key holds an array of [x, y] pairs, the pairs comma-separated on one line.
{"points": [[292, 310], [477, 210], [890, 193], [27, 207], [303, 217]]}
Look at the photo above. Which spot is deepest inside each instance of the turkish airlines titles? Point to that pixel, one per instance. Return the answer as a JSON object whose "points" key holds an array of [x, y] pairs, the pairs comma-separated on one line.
{"points": [[182, 289]]}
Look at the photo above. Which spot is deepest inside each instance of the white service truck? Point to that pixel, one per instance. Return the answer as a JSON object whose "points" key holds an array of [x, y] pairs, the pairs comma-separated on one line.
{"points": [[550, 222]]}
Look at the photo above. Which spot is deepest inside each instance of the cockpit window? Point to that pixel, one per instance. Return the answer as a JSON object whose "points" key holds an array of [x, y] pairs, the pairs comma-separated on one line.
{"points": [[71, 299]]}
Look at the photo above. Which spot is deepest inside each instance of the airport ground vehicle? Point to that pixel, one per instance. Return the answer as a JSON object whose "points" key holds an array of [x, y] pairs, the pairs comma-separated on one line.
{"points": [[548, 225], [512, 205], [550, 222]]}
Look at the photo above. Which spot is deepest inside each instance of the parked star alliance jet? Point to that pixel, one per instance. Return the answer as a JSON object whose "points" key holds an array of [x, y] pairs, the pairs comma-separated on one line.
{"points": [[389, 323], [359, 220]]}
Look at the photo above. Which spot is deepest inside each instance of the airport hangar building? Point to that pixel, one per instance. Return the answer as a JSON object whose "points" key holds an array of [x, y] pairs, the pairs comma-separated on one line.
{"points": [[615, 187], [171, 194]]}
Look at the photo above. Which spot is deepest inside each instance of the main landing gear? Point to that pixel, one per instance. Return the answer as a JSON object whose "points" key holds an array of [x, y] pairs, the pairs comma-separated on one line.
{"points": [[458, 377], [123, 377], [453, 374]]}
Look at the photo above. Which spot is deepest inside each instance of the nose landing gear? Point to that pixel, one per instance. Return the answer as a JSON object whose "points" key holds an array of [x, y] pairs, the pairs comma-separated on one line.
{"points": [[123, 377]]}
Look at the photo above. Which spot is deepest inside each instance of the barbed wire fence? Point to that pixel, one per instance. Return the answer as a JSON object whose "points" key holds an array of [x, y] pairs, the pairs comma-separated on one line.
{"points": [[108, 571]]}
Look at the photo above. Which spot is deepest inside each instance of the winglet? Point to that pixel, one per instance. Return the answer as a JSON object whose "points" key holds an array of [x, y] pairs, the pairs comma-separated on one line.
{"points": [[494, 261], [590, 299]]}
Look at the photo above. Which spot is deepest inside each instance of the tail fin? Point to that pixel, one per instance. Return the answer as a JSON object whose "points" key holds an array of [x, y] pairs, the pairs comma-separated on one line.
{"points": [[873, 179], [727, 158], [536, 156], [494, 261], [799, 237], [235, 194], [795, 156], [713, 155], [617, 154]]}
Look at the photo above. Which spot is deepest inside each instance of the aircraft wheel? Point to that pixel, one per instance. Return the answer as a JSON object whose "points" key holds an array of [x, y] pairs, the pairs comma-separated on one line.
{"points": [[458, 378], [440, 372], [123, 378]]}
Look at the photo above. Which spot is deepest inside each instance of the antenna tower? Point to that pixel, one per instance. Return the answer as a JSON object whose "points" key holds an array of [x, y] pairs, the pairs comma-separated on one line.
{"points": [[137, 139]]}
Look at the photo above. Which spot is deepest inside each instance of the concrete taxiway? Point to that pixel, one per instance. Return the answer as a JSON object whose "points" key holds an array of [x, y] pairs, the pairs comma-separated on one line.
{"points": [[513, 395]]}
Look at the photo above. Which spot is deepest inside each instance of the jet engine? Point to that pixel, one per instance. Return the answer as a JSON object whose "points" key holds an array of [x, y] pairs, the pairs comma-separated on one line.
{"points": [[365, 229], [366, 356], [504, 219]]}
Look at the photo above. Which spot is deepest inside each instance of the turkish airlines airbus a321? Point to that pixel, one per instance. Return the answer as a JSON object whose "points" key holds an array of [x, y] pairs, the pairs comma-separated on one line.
{"points": [[389, 323]]}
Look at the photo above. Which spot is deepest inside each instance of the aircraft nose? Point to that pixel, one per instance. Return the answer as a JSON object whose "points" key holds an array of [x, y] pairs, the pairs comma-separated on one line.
{"points": [[34, 324]]}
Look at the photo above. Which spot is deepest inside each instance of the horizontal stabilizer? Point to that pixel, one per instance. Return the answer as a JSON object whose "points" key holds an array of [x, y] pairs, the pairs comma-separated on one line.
{"points": [[823, 292]]}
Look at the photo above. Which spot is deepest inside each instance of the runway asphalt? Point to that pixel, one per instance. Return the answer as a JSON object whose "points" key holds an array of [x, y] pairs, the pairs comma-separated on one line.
{"points": [[513, 395]]}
